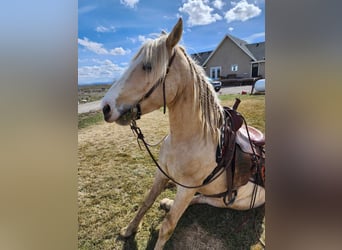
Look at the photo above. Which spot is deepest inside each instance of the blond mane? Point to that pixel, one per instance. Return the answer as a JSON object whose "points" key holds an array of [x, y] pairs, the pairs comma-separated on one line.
{"points": [[205, 99]]}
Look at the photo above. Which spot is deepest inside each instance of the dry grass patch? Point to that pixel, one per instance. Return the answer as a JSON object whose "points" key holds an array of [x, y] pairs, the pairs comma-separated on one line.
{"points": [[114, 175]]}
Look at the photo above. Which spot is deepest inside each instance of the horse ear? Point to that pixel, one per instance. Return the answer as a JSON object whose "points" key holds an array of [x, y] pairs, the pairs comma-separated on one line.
{"points": [[175, 35]]}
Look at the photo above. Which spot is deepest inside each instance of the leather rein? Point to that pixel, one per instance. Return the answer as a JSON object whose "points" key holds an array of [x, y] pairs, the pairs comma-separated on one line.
{"points": [[140, 136]]}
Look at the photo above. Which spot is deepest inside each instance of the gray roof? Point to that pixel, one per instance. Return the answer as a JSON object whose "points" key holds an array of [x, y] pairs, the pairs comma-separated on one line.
{"points": [[258, 50], [201, 57]]}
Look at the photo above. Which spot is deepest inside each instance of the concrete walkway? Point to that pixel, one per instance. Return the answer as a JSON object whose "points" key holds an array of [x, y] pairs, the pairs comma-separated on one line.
{"points": [[88, 107], [235, 90]]}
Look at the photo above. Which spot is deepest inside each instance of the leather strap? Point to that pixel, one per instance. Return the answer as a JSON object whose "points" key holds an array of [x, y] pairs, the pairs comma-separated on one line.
{"points": [[161, 80]]}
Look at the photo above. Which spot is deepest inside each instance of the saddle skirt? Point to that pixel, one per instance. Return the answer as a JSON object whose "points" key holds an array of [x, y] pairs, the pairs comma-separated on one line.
{"points": [[240, 153], [246, 146], [257, 139], [242, 149]]}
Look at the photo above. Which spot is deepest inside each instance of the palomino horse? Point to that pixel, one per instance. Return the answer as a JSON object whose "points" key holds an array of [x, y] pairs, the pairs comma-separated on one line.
{"points": [[161, 73]]}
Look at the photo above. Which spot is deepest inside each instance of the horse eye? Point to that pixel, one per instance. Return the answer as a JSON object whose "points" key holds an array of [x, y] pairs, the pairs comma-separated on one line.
{"points": [[147, 67]]}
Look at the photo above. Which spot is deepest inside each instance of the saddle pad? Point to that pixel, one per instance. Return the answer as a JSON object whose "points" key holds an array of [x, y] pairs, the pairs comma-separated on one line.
{"points": [[257, 138]]}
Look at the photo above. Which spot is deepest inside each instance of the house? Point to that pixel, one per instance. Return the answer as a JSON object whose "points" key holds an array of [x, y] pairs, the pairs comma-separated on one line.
{"points": [[201, 57], [233, 58]]}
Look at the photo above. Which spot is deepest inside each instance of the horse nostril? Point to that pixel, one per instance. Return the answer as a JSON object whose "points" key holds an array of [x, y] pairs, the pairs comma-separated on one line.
{"points": [[106, 110]]}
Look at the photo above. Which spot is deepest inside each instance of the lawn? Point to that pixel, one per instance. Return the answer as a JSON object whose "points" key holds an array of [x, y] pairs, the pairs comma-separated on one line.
{"points": [[114, 175]]}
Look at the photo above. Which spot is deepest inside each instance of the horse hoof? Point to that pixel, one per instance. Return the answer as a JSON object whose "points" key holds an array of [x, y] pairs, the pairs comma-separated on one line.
{"points": [[125, 232], [166, 204]]}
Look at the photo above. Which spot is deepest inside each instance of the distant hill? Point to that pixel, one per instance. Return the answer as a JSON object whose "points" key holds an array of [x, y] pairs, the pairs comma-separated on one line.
{"points": [[92, 92]]}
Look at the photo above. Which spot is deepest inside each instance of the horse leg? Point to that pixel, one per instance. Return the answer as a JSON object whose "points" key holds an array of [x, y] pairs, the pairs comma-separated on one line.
{"points": [[167, 203], [242, 200], [181, 202], [158, 186], [201, 199], [244, 196]]}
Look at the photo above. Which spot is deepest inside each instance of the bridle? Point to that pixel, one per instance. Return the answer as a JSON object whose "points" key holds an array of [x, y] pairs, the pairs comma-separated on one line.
{"points": [[136, 109]]}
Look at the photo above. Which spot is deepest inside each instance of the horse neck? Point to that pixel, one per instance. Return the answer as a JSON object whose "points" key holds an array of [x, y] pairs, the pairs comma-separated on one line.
{"points": [[185, 119], [184, 123], [184, 113]]}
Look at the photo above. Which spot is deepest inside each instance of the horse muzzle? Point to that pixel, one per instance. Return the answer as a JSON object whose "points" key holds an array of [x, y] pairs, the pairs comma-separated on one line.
{"points": [[126, 115], [107, 112], [123, 116], [131, 114], [110, 113]]}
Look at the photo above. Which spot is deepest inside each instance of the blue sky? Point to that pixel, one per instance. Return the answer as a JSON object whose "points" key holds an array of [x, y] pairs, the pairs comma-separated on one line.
{"points": [[110, 32]]}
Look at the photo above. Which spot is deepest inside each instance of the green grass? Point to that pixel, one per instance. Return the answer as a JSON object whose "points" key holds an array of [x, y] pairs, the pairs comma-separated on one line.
{"points": [[114, 175], [252, 107], [88, 119]]}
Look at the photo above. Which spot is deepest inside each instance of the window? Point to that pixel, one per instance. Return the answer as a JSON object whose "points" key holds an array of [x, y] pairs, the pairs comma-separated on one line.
{"points": [[215, 72], [234, 67]]}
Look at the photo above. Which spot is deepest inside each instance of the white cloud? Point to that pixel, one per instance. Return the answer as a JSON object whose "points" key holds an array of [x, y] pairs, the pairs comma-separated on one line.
{"points": [[125, 64], [230, 29], [93, 46], [103, 71], [132, 39], [242, 11], [103, 29], [119, 51], [253, 37], [129, 3], [218, 4], [86, 9], [143, 39], [170, 17], [199, 12], [257, 2], [100, 50]]}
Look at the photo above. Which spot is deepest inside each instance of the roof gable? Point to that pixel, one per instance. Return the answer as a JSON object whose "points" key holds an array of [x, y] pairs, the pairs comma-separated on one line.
{"points": [[242, 44], [255, 51]]}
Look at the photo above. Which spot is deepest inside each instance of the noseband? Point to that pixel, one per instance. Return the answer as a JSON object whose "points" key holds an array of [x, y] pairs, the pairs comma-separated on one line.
{"points": [[136, 109]]}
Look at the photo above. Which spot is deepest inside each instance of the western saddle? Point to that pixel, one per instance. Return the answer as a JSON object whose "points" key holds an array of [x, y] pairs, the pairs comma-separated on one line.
{"points": [[240, 152]]}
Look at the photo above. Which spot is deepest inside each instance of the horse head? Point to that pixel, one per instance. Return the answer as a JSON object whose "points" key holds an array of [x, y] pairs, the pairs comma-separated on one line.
{"points": [[144, 87]]}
